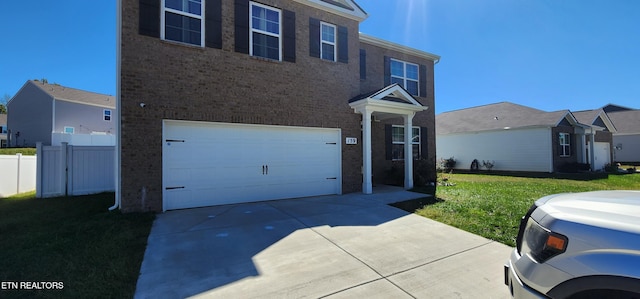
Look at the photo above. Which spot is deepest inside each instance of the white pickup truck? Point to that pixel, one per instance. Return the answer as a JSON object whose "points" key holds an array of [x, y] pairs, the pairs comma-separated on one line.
{"points": [[578, 245]]}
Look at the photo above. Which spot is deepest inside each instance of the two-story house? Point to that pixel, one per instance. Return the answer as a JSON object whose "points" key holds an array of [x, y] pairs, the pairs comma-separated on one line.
{"points": [[237, 101], [52, 114]]}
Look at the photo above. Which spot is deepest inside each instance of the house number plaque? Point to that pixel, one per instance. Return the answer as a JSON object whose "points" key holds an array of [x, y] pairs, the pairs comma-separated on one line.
{"points": [[351, 140]]}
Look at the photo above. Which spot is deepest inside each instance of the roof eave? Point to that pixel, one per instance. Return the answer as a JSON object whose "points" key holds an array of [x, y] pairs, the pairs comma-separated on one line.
{"points": [[358, 14], [393, 46]]}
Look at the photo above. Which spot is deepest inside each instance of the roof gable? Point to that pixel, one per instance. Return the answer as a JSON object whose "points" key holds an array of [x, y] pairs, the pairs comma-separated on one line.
{"points": [[499, 116], [346, 8], [67, 94], [596, 117]]}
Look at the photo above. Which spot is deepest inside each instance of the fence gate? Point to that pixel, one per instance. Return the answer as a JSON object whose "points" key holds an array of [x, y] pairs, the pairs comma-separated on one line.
{"points": [[74, 170]]}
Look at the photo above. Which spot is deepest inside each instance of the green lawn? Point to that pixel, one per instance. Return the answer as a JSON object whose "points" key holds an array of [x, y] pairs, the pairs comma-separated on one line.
{"points": [[95, 253], [492, 205], [12, 151]]}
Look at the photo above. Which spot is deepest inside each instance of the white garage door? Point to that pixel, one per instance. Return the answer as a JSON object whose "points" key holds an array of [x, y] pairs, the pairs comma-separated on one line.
{"points": [[602, 155], [207, 164]]}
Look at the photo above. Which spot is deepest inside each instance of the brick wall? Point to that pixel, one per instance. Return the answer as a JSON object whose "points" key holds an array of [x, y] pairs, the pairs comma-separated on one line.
{"points": [[184, 82], [374, 81]]}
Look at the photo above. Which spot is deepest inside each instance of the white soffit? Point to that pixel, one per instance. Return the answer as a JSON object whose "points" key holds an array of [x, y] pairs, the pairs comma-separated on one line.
{"points": [[346, 8]]}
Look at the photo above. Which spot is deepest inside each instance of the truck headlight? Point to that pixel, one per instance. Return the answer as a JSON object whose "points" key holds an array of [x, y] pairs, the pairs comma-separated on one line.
{"points": [[540, 243]]}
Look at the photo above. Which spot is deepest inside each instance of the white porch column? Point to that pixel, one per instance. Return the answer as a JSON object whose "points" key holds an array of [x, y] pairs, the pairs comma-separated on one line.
{"points": [[367, 185], [408, 151], [592, 154]]}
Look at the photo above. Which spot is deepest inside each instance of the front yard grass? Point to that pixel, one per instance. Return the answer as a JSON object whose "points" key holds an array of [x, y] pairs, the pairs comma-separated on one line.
{"points": [[95, 253], [27, 151], [492, 205]]}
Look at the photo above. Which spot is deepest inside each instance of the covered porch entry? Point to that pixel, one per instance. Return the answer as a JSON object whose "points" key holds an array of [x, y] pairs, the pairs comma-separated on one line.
{"points": [[392, 101]]}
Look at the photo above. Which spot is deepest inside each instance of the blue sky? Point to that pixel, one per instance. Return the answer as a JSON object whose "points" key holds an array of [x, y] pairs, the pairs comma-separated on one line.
{"points": [[547, 54]]}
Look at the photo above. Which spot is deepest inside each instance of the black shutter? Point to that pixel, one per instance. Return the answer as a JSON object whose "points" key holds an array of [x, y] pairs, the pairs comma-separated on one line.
{"points": [[314, 37], [213, 24], [343, 44], [388, 142], [149, 18], [424, 143], [242, 26], [387, 71], [363, 64], [423, 80], [289, 33]]}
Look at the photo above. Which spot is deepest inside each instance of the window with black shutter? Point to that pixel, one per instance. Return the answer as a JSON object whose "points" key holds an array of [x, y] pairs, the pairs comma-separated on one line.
{"points": [[183, 21]]}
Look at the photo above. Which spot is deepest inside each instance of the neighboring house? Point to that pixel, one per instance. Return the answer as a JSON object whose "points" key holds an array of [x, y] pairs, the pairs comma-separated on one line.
{"points": [[626, 139], [517, 138], [52, 113], [237, 101], [3, 130], [602, 139]]}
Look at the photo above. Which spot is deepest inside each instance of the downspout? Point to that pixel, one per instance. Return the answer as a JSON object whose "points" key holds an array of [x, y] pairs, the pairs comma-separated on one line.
{"points": [[116, 204]]}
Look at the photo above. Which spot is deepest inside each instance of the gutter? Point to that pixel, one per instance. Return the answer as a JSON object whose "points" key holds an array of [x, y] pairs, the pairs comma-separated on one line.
{"points": [[117, 202]]}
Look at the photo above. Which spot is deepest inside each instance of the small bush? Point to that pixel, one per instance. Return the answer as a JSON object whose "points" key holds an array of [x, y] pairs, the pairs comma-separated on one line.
{"points": [[488, 164], [446, 165]]}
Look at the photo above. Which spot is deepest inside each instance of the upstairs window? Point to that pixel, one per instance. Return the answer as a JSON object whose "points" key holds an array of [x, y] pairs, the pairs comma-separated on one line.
{"points": [[565, 144], [69, 130], [406, 75], [265, 32], [107, 115], [327, 41], [182, 21], [397, 147]]}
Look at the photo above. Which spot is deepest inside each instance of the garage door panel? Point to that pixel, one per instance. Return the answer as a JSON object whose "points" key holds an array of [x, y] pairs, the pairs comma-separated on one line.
{"points": [[221, 163]]}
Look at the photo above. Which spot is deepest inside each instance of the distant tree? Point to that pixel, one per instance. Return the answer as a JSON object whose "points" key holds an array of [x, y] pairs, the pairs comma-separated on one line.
{"points": [[3, 103]]}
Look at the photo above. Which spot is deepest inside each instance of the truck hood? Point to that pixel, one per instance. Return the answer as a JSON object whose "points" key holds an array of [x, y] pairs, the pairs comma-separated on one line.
{"points": [[617, 210]]}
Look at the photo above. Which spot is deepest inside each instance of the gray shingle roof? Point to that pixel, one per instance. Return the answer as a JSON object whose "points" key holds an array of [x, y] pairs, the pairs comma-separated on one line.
{"points": [[496, 117], [3, 119], [76, 95], [626, 122], [587, 117]]}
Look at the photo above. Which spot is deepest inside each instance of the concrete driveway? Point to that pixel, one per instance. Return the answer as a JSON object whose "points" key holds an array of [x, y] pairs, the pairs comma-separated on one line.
{"points": [[349, 246]]}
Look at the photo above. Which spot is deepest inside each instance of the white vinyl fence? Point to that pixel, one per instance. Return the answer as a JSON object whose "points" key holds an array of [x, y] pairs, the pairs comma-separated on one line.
{"points": [[74, 170], [17, 174]]}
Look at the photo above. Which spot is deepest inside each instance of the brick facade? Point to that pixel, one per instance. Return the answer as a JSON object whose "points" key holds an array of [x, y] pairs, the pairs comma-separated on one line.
{"points": [[182, 82]]}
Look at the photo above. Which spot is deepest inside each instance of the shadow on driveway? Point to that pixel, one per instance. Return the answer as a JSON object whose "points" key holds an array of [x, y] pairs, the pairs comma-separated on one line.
{"points": [[317, 247]]}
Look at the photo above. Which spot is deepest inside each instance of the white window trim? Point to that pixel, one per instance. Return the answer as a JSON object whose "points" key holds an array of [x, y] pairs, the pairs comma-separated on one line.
{"points": [[73, 130], [419, 142], [252, 30], [334, 43], [104, 114], [404, 74], [567, 144], [164, 9]]}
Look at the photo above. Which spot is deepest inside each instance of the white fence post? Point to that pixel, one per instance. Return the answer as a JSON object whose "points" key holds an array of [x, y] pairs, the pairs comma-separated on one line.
{"points": [[39, 157]]}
